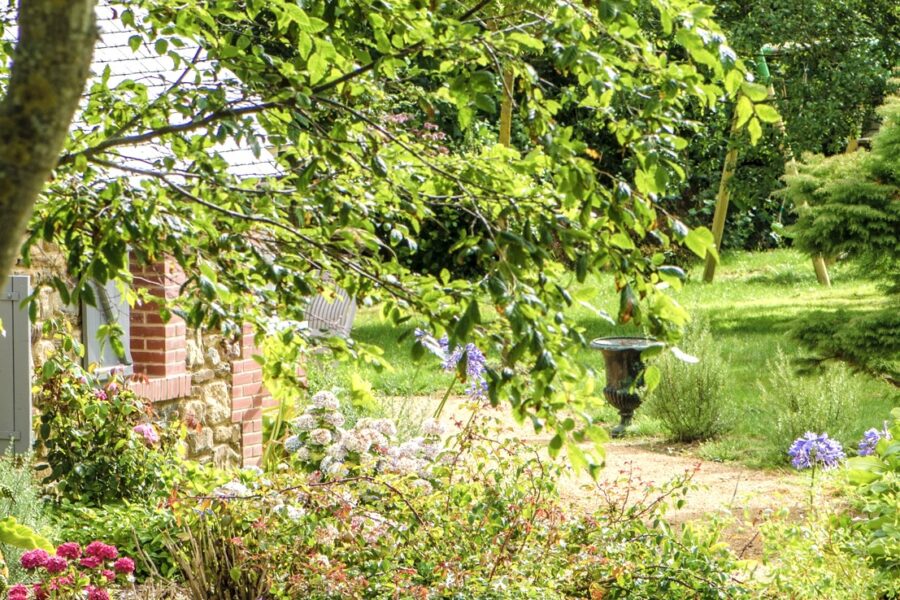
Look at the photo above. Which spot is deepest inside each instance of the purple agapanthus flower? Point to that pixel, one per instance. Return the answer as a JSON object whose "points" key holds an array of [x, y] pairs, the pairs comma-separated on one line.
{"points": [[814, 450], [870, 440], [476, 362]]}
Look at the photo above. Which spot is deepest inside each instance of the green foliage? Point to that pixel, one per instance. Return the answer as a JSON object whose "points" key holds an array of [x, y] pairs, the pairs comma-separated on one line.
{"points": [[853, 202], [877, 497], [20, 502], [797, 404], [867, 340], [354, 188], [810, 559], [691, 400], [830, 64], [137, 529], [86, 435], [492, 527]]}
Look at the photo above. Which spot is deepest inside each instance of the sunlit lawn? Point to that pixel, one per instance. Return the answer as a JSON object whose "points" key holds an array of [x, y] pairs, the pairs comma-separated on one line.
{"points": [[749, 308]]}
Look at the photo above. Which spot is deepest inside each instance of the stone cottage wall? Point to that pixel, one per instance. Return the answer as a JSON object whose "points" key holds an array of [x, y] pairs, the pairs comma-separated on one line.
{"points": [[207, 381]]}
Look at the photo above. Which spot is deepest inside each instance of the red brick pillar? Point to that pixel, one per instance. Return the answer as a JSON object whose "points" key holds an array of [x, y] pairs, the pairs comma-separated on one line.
{"points": [[249, 397], [157, 347]]}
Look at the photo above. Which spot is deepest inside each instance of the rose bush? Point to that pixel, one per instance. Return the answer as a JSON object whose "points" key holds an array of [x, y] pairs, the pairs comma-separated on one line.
{"points": [[100, 441]]}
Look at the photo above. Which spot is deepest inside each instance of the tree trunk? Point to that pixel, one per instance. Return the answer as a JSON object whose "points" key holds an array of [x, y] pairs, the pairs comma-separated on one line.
{"points": [[50, 67]]}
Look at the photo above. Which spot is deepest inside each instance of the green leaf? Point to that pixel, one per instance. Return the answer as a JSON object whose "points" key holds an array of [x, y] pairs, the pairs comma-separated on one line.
{"points": [[555, 445], [755, 130], [767, 113], [651, 377], [700, 240], [743, 110], [755, 91]]}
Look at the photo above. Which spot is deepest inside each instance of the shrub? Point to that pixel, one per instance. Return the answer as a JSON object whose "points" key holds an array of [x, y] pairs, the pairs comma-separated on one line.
{"points": [[98, 440], [491, 527], [72, 573], [691, 399], [875, 493], [136, 529], [800, 404], [20, 499]]}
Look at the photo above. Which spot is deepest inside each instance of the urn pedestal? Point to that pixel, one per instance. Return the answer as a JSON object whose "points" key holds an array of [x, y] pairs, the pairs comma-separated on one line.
{"points": [[624, 368]]}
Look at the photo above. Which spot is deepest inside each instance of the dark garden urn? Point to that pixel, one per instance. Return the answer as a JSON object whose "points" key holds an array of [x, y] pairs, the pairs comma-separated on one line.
{"points": [[624, 369]]}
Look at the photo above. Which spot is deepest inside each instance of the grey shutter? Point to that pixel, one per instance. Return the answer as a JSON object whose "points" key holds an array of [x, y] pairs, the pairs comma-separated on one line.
{"points": [[111, 308], [15, 367], [333, 316]]}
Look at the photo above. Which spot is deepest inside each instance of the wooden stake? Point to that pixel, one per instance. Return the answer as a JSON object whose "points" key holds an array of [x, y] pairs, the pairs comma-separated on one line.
{"points": [[722, 199], [506, 107]]}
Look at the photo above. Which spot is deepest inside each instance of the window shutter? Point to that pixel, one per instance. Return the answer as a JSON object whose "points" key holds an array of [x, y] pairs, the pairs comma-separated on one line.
{"points": [[111, 309], [15, 367]]}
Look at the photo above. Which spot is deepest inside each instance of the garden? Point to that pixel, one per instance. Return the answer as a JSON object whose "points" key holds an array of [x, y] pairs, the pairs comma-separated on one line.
{"points": [[463, 300]]}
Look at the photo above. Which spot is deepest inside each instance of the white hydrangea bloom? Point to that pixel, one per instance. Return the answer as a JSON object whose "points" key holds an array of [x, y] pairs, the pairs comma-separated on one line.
{"points": [[320, 437], [253, 470], [303, 454], [335, 419], [292, 444], [294, 513], [422, 485], [355, 442], [431, 451], [304, 423], [337, 451], [232, 489], [386, 427], [411, 448], [405, 464], [433, 427], [325, 401]]}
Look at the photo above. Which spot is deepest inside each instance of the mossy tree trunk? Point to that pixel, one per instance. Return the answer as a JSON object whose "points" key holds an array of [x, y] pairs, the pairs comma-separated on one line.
{"points": [[50, 67]]}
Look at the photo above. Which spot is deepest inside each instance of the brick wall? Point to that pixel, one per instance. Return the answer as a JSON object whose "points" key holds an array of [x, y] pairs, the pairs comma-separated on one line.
{"points": [[158, 348], [249, 398], [202, 377]]}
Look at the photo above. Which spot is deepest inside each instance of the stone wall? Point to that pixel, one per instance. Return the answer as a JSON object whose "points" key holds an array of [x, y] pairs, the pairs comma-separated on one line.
{"points": [[210, 383]]}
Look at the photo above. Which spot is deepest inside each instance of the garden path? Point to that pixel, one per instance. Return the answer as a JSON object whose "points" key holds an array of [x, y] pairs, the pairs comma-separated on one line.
{"points": [[727, 490]]}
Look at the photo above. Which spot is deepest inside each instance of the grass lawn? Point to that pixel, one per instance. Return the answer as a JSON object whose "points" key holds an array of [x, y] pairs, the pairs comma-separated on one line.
{"points": [[749, 308]]}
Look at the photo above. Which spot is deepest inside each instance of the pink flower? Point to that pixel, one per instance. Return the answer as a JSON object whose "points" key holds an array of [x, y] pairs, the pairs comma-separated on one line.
{"points": [[147, 431], [18, 592], [95, 593], [69, 550], [101, 551], [100, 394], [124, 565], [34, 559], [39, 592], [109, 575], [56, 564], [66, 580], [91, 562]]}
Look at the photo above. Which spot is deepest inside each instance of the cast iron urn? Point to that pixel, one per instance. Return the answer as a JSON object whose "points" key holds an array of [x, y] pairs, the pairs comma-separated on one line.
{"points": [[624, 369]]}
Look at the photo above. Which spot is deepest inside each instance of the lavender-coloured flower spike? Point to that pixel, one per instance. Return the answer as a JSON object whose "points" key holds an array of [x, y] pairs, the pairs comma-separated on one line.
{"points": [[813, 450], [476, 361], [870, 440]]}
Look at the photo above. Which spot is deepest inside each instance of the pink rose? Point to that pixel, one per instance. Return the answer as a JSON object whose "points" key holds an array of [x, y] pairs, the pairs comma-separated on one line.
{"points": [[147, 431]]}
